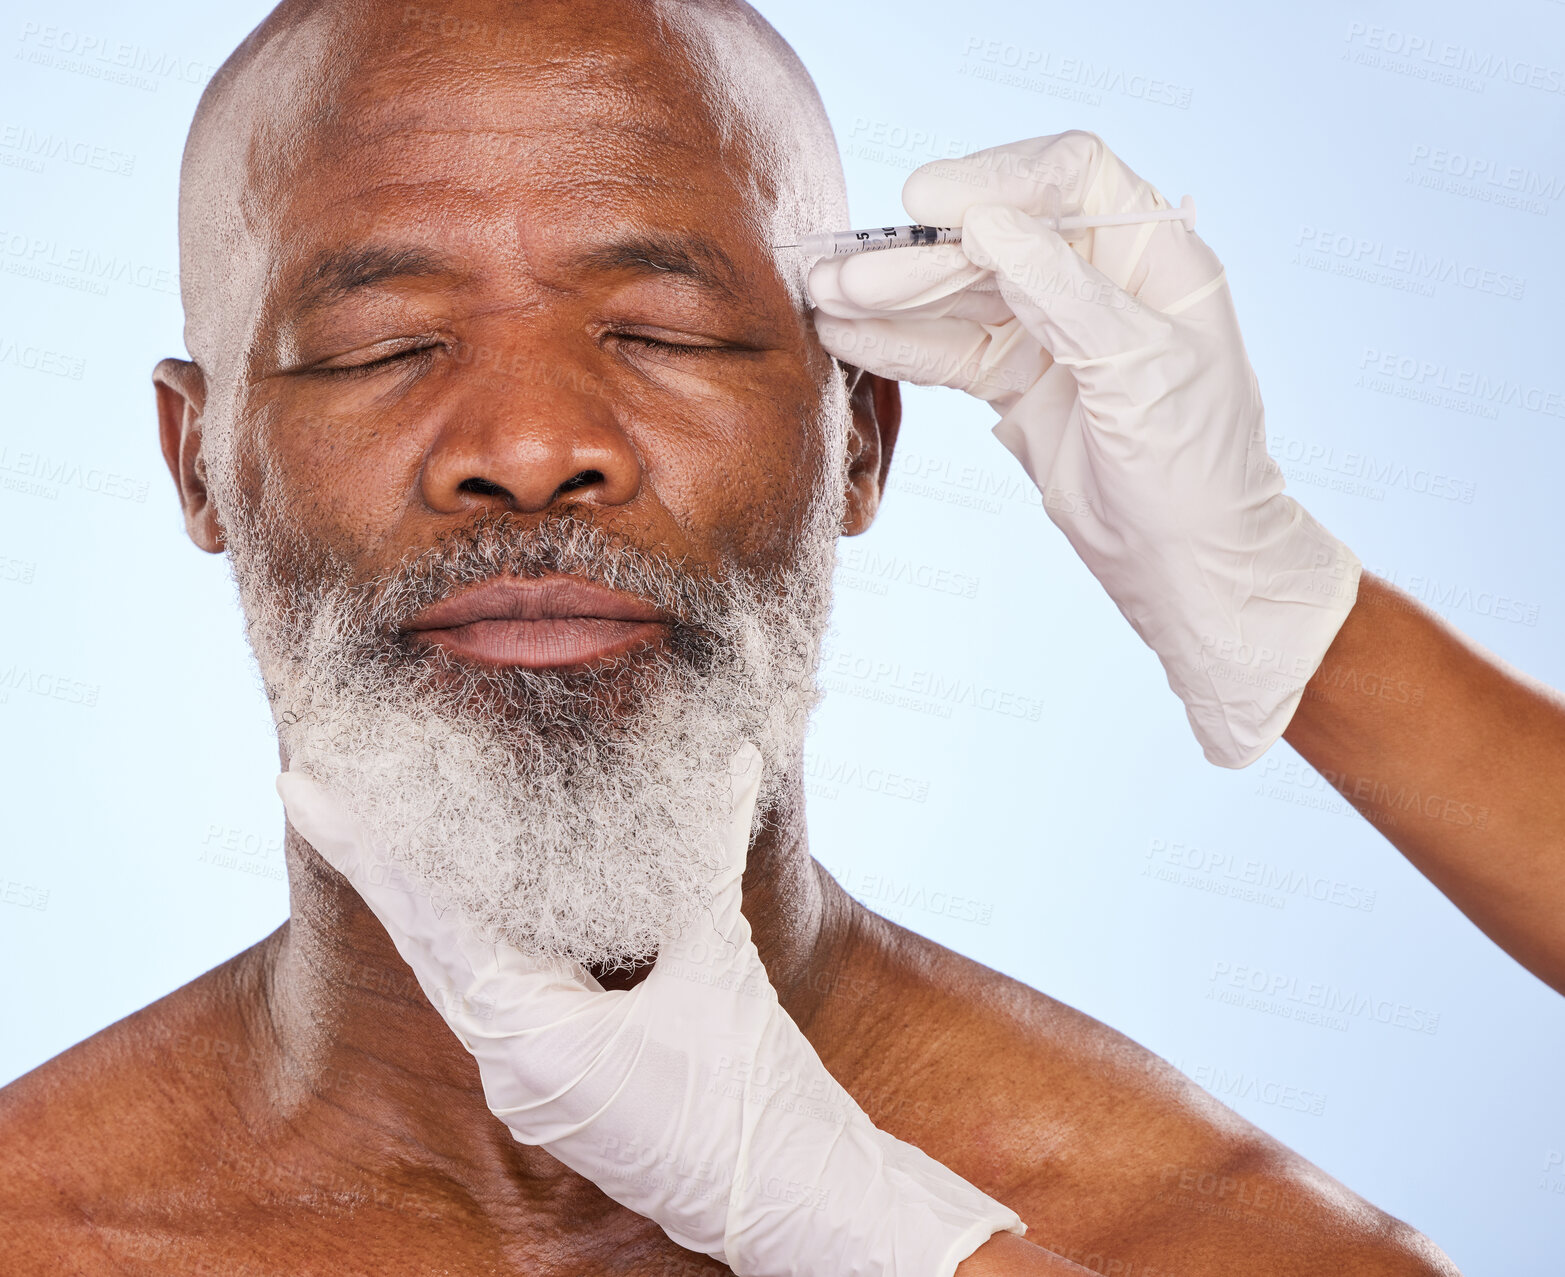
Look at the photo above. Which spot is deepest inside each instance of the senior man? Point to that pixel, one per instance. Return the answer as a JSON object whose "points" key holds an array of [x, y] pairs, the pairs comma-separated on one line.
{"points": [[530, 464]]}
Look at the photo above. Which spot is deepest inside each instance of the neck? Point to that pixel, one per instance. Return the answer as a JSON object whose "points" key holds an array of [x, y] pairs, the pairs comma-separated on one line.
{"points": [[366, 1066]]}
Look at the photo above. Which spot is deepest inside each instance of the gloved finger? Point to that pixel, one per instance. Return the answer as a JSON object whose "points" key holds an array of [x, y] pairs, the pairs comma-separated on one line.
{"points": [[930, 283], [1021, 174], [989, 361], [569, 1053], [715, 939], [411, 918], [1076, 312], [744, 777], [1062, 174], [923, 352], [549, 1040], [1033, 431], [491, 995], [526, 990], [443, 952], [1073, 173], [325, 822]]}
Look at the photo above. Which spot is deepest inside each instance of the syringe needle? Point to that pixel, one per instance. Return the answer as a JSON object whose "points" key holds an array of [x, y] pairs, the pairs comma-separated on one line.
{"points": [[835, 243]]}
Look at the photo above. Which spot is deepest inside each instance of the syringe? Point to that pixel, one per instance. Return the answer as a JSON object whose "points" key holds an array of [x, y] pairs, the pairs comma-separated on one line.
{"points": [[835, 243]]}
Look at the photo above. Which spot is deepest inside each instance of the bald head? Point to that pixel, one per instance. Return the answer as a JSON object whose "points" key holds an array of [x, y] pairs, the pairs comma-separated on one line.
{"points": [[583, 100], [505, 256]]}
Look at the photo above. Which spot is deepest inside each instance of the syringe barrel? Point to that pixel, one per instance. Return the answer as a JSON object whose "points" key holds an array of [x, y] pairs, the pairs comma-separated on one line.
{"points": [[830, 244]]}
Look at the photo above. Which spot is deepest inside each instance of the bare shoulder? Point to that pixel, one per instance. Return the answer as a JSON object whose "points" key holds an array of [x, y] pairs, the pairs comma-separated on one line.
{"points": [[1110, 1154], [78, 1132]]}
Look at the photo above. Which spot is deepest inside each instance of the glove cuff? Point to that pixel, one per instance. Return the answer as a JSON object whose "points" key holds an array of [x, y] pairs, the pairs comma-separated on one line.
{"points": [[1242, 681], [939, 1219], [881, 1207]]}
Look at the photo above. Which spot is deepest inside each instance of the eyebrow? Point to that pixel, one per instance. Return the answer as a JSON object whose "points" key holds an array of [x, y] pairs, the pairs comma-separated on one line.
{"points": [[339, 273], [685, 256]]}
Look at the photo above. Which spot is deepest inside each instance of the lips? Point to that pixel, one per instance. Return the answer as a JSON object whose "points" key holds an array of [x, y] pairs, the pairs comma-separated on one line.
{"points": [[548, 622]]}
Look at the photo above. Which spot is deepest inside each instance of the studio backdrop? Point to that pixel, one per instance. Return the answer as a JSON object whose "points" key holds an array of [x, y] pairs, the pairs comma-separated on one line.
{"points": [[999, 762]]}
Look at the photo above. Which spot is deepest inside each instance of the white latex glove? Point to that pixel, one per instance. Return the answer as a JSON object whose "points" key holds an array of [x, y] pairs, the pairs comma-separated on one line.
{"points": [[1115, 360], [692, 1098]]}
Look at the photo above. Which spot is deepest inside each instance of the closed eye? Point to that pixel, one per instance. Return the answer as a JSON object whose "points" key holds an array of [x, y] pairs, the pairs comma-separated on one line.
{"points": [[653, 343], [385, 361]]}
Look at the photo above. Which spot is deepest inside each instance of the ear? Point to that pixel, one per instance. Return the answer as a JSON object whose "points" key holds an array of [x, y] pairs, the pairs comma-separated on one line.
{"points": [[181, 393], [877, 415]]}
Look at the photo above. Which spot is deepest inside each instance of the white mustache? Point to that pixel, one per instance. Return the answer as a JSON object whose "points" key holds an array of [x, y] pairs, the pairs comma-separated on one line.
{"points": [[550, 818]]}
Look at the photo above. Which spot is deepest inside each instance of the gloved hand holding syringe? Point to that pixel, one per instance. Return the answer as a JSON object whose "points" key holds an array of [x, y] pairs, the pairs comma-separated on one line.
{"points": [[1106, 339], [836, 243]]}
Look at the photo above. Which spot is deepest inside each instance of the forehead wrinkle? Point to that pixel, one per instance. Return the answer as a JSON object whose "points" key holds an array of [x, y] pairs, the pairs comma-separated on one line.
{"points": [[519, 102], [707, 74]]}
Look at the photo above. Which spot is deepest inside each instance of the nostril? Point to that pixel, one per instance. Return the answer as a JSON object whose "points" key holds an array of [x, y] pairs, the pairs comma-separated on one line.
{"points": [[580, 480], [482, 487]]}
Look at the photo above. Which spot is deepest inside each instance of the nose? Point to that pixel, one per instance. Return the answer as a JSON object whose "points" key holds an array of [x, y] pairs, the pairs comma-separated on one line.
{"points": [[521, 438]]}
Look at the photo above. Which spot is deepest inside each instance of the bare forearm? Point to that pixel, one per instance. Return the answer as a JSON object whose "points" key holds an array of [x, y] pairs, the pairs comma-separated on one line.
{"points": [[1007, 1255], [1456, 757]]}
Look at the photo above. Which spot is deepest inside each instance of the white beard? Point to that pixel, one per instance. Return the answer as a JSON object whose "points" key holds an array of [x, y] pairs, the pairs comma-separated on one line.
{"points": [[565, 826]]}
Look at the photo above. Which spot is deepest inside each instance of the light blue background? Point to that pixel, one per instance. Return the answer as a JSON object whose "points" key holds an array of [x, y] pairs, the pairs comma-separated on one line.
{"points": [[1286, 127]]}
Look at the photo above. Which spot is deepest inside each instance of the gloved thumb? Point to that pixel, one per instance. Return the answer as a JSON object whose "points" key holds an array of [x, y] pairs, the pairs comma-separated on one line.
{"points": [[744, 778], [714, 939], [323, 823], [324, 820]]}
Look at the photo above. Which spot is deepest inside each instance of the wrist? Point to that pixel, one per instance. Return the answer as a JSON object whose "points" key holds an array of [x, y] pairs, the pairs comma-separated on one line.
{"points": [[1256, 661], [1006, 1255], [880, 1207], [1240, 619]]}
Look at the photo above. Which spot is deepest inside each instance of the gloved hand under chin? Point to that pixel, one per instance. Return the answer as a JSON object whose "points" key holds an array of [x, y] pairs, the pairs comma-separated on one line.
{"points": [[1115, 360], [692, 1098]]}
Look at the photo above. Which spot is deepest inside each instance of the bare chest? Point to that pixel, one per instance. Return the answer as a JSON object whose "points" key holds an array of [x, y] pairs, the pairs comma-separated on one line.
{"points": [[325, 1225]]}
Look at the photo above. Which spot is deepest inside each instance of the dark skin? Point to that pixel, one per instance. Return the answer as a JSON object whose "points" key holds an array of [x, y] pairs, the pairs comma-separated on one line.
{"points": [[1456, 757], [302, 1108]]}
